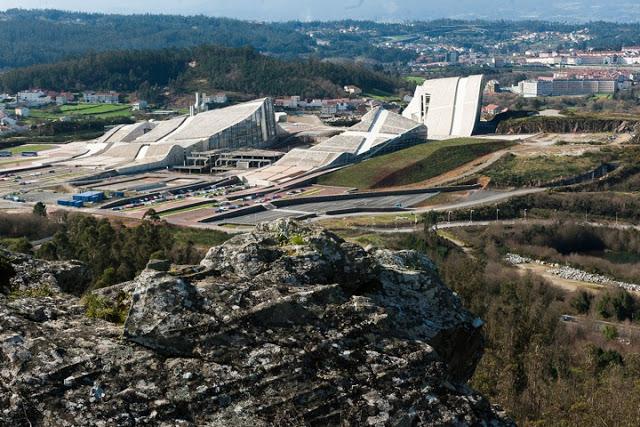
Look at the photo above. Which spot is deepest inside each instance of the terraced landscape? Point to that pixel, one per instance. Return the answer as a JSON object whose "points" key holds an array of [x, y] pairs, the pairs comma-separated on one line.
{"points": [[413, 165]]}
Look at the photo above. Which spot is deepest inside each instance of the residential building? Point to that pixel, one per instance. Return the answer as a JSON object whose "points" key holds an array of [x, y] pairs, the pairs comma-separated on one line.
{"points": [[566, 87], [101, 97], [219, 98], [492, 87], [23, 112], [140, 105], [353, 90], [491, 110], [33, 98], [536, 88]]}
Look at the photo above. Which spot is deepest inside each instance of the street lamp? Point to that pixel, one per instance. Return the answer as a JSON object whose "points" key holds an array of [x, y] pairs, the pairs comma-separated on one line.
{"points": [[471, 216], [497, 214], [525, 215], [449, 217]]}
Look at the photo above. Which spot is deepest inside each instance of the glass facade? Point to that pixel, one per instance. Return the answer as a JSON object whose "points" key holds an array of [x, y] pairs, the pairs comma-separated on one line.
{"points": [[257, 130]]}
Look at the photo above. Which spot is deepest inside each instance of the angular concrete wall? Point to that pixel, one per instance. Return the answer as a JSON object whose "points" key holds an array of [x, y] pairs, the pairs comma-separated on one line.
{"points": [[453, 107]]}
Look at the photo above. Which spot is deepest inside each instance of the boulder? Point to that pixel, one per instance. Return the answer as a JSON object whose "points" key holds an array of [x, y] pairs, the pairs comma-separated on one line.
{"points": [[288, 325]]}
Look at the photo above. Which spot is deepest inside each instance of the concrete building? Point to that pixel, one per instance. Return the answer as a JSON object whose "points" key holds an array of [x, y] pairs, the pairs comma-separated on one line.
{"points": [[140, 105], [380, 131], [33, 98], [153, 145], [536, 88], [566, 87], [23, 112], [101, 97], [219, 98], [353, 90], [448, 107]]}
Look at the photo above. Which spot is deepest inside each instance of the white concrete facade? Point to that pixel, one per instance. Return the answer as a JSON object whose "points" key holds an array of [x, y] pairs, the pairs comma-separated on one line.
{"points": [[449, 107], [153, 145]]}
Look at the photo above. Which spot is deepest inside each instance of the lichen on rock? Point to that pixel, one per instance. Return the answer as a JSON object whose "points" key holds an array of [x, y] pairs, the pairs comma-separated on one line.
{"points": [[287, 325]]}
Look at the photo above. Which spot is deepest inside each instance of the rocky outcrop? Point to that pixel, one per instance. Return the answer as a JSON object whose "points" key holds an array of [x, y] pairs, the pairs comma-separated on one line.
{"points": [[571, 124], [288, 325], [30, 274]]}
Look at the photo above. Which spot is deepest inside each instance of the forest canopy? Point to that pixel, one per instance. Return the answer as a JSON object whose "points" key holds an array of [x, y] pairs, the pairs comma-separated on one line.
{"points": [[210, 67]]}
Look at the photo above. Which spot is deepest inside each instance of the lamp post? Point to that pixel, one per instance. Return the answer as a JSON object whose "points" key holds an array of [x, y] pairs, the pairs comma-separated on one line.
{"points": [[471, 216], [497, 214], [525, 215]]}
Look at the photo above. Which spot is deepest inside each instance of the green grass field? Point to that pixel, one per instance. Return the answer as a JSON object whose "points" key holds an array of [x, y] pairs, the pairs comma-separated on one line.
{"points": [[415, 79], [381, 95], [516, 171], [97, 111], [200, 237], [31, 147], [414, 164]]}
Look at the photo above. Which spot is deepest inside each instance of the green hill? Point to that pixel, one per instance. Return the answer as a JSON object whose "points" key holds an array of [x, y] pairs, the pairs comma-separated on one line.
{"points": [[206, 68], [414, 164]]}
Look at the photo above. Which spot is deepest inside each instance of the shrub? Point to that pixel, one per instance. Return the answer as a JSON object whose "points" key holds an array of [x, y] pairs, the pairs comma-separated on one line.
{"points": [[610, 332], [99, 307], [39, 292], [582, 302], [296, 240]]}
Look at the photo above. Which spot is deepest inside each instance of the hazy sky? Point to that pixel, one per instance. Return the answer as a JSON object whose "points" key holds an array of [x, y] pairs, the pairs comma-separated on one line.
{"points": [[384, 10]]}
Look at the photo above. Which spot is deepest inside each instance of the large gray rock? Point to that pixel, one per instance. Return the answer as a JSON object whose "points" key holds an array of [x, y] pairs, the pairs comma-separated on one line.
{"points": [[67, 276], [289, 326]]}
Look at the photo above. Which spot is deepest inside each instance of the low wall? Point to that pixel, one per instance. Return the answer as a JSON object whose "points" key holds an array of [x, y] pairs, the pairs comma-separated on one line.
{"points": [[352, 196], [234, 214]]}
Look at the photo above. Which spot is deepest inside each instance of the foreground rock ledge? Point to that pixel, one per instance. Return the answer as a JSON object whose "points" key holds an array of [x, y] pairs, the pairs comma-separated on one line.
{"points": [[288, 325]]}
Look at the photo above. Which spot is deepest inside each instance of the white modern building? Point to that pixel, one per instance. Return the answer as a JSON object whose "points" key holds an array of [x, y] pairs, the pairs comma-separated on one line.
{"points": [[33, 98], [567, 87], [101, 97], [380, 131], [449, 107], [153, 145]]}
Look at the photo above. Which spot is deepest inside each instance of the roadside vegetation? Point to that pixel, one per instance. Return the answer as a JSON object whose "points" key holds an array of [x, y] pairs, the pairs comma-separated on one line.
{"points": [[413, 165], [541, 369]]}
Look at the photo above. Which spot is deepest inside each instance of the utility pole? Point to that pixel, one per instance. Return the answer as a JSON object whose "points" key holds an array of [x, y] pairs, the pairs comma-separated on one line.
{"points": [[449, 217], [525, 215], [497, 214]]}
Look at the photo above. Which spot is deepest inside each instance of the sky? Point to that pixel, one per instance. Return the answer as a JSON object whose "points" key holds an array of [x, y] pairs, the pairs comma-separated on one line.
{"points": [[379, 10]]}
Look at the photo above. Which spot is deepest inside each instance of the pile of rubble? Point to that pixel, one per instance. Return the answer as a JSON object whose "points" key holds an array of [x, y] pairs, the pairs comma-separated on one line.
{"points": [[571, 273], [288, 325], [515, 259]]}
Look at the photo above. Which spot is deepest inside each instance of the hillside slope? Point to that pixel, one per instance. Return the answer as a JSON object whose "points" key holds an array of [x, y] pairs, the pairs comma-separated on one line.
{"points": [[414, 164], [207, 67]]}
